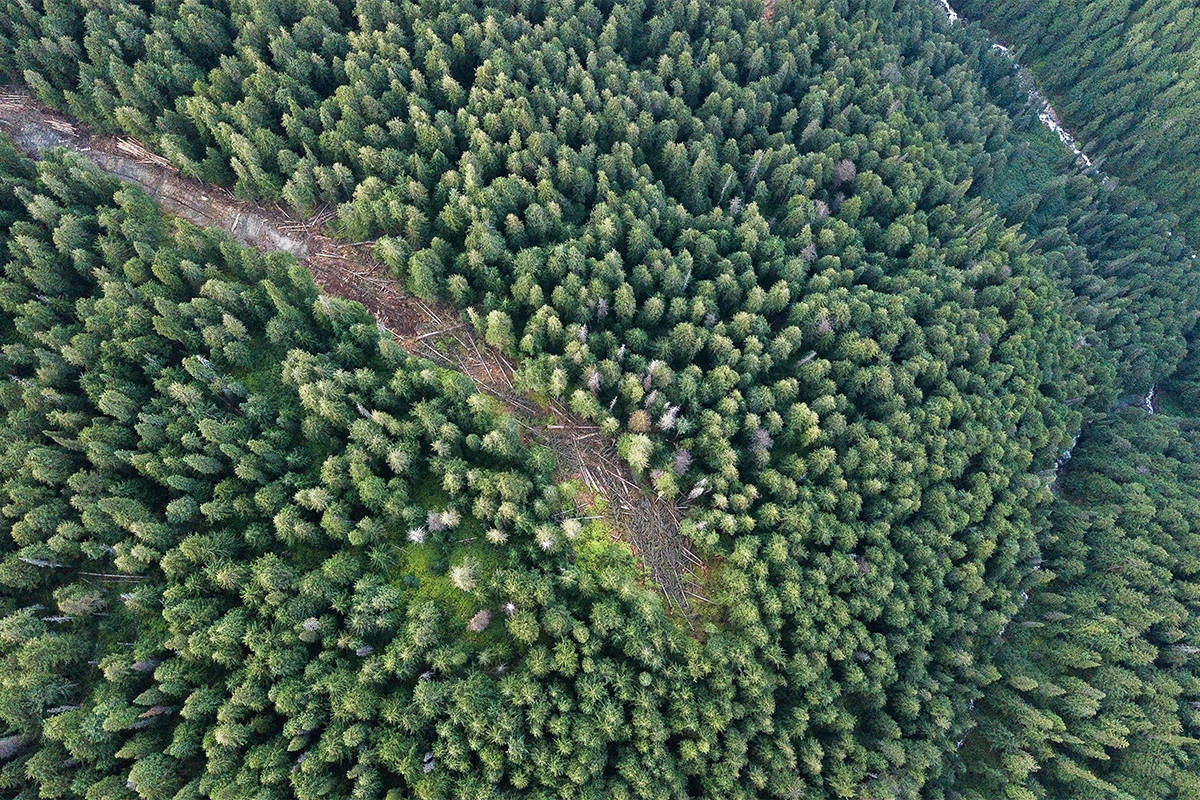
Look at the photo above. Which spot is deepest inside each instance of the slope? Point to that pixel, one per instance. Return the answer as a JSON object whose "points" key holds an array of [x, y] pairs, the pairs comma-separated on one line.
{"points": [[645, 519]]}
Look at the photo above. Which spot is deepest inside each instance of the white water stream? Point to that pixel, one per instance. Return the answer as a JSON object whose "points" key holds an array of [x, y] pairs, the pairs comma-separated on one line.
{"points": [[950, 12]]}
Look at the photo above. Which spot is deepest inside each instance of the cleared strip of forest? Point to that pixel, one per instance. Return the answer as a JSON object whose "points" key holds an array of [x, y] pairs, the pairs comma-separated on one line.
{"points": [[647, 522]]}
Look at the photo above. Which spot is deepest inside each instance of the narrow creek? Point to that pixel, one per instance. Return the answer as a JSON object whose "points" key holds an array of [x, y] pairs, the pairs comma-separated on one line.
{"points": [[1045, 111], [1049, 117]]}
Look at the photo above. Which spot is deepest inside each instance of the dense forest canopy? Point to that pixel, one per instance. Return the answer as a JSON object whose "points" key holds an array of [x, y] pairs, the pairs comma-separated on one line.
{"points": [[823, 276], [1100, 686], [254, 548]]}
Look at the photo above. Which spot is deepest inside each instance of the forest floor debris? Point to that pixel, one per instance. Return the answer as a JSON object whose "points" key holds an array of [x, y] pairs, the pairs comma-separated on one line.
{"points": [[647, 522]]}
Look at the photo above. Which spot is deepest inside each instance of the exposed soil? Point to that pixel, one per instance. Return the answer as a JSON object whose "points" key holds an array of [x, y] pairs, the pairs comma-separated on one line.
{"points": [[638, 516]]}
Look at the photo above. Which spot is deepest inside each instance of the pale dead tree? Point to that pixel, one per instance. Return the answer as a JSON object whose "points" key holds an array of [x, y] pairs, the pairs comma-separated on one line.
{"points": [[11, 745], [725, 188], [651, 368], [442, 520], [845, 171], [762, 439], [155, 711], [39, 562], [752, 178], [480, 621], [84, 606]]}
